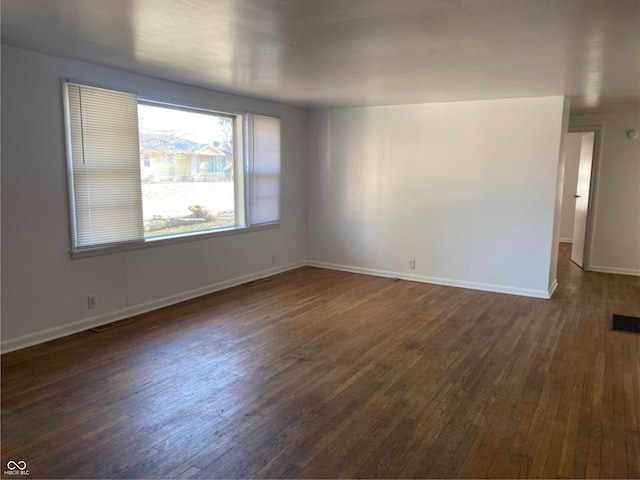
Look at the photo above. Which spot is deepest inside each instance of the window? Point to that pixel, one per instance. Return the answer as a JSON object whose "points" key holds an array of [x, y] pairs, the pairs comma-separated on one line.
{"points": [[180, 196], [142, 171], [217, 163], [263, 145]]}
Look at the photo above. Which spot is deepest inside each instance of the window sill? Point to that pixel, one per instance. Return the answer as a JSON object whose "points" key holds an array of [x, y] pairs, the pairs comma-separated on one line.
{"points": [[174, 239]]}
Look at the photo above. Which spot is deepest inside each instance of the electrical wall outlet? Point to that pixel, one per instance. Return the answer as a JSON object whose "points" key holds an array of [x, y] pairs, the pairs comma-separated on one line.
{"points": [[274, 259], [92, 302], [412, 264]]}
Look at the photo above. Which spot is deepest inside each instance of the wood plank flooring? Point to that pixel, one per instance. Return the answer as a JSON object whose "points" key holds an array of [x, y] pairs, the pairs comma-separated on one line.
{"points": [[325, 374]]}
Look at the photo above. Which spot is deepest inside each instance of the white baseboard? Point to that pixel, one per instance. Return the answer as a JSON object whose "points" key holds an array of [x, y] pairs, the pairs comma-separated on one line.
{"points": [[525, 292], [85, 324], [565, 240], [617, 270]]}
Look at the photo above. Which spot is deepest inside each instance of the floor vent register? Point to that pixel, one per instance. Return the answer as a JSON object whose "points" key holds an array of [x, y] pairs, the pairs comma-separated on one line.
{"points": [[623, 323]]}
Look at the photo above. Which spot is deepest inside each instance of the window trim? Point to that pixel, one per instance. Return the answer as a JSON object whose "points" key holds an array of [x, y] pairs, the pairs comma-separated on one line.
{"points": [[71, 206], [241, 162], [172, 240]]}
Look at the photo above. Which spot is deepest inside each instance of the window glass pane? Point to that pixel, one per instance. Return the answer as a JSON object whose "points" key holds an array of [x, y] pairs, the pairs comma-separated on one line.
{"points": [[187, 167]]}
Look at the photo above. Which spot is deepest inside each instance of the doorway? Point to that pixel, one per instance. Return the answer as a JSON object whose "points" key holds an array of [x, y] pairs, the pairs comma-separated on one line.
{"points": [[582, 150]]}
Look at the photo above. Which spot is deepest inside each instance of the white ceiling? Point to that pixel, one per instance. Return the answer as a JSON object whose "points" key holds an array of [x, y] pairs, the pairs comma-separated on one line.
{"points": [[353, 52]]}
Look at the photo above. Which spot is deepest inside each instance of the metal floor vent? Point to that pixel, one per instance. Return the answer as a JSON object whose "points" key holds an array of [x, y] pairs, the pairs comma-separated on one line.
{"points": [[622, 323]]}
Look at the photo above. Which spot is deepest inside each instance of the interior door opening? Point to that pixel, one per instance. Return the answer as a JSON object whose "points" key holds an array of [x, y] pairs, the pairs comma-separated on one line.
{"points": [[580, 167]]}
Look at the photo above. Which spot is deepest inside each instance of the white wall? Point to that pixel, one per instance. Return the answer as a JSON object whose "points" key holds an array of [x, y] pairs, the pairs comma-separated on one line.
{"points": [[616, 234], [555, 235], [572, 161], [467, 189], [44, 291]]}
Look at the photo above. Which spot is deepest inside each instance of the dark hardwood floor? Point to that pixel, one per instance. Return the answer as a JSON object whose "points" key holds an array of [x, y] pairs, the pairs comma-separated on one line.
{"points": [[327, 374]]}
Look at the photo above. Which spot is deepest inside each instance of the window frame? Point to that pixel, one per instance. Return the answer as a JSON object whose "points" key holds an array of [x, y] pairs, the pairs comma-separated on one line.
{"points": [[240, 170]]}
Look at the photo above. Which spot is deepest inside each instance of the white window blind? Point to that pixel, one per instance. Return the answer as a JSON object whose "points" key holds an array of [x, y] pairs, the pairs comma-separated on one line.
{"points": [[263, 141], [105, 166]]}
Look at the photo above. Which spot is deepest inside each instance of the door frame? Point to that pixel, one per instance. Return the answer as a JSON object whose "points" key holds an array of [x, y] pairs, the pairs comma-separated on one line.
{"points": [[598, 132]]}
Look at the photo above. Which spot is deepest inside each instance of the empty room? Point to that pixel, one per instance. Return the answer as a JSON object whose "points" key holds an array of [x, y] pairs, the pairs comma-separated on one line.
{"points": [[320, 239]]}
